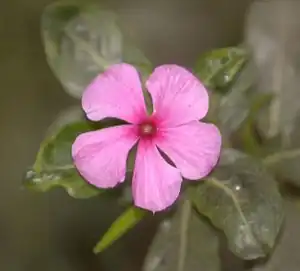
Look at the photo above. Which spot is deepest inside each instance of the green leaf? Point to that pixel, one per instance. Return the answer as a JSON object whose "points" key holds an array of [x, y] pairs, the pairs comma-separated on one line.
{"points": [[201, 246], [283, 158], [218, 68], [71, 114], [126, 221], [285, 164], [234, 106], [82, 40], [55, 150], [54, 166], [242, 199], [135, 56], [286, 254], [246, 132], [67, 178]]}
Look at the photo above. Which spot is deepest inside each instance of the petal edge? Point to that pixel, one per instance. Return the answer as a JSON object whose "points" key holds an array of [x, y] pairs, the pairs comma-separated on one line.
{"points": [[156, 184], [178, 96], [194, 148], [100, 156], [116, 93]]}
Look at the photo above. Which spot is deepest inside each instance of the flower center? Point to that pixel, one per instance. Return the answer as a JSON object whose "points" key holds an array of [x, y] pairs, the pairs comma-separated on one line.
{"points": [[147, 129]]}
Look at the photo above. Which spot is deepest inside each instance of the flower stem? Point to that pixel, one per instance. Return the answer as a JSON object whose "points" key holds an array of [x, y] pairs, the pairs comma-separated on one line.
{"points": [[184, 225]]}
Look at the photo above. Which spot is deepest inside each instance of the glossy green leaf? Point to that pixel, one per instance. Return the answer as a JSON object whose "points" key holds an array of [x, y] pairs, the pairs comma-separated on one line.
{"points": [[67, 178], [218, 68], [201, 241], [55, 150], [124, 222], [242, 199], [81, 40], [54, 166]]}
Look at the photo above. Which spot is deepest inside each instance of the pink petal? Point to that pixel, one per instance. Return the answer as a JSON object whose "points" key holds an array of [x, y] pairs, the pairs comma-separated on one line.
{"points": [[178, 96], [194, 148], [100, 156], [116, 93], [156, 184]]}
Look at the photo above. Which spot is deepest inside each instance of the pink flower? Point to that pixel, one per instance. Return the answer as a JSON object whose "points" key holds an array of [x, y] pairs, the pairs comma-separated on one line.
{"points": [[179, 101]]}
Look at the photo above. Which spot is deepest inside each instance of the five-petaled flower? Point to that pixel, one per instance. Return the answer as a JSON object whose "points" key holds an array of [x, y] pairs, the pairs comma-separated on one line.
{"points": [[179, 101]]}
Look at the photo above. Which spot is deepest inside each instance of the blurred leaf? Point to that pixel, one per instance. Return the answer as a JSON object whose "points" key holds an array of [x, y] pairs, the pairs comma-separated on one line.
{"points": [[67, 116], [136, 57], [82, 40], [285, 164], [214, 104], [125, 222], [235, 105], [202, 250], [286, 254], [284, 160], [241, 199], [272, 35], [247, 131], [218, 68]]}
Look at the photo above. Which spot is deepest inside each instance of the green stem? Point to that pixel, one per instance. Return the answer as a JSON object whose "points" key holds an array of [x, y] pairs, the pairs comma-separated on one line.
{"points": [[184, 225]]}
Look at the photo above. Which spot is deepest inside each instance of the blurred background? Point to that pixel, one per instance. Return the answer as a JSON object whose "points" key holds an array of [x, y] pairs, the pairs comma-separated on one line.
{"points": [[52, 231]]}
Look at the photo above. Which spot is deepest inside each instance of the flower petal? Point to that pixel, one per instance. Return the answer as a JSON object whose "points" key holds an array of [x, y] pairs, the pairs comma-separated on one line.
{"points": [[156, 184], [100, 156], [116, 93], [194, 148], [178, 96]]}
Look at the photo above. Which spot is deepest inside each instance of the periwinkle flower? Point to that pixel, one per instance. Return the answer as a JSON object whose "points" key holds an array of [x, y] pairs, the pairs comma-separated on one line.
{"points": [[179, 102]]}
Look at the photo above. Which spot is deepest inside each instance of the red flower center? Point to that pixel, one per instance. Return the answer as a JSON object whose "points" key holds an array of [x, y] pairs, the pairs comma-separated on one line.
{"points": [[147, 129]]}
